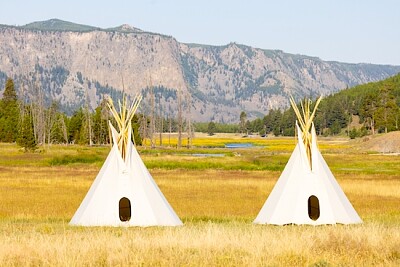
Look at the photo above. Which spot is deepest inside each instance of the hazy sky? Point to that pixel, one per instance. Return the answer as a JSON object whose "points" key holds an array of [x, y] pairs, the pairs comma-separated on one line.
{"points": [[355, 31]]}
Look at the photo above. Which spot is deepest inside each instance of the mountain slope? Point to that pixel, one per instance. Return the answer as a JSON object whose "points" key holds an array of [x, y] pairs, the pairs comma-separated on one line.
{"points": [[58, 25], [72, 63]]}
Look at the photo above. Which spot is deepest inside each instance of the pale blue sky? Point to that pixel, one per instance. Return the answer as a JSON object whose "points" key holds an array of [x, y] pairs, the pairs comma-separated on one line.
{"points": [[354, 31]]}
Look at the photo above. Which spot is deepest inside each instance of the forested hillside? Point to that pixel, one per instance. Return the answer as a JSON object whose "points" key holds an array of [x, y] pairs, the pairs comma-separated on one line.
{"points": [[375, 104]]}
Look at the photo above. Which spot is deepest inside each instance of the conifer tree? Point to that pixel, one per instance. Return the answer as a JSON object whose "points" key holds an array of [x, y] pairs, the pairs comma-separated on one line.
{"points": [[242, 124], [10, 95], [58, 132], [75, 125], [26, 136], [135, 130], [9, 113], [387, 108], [211, 128]]}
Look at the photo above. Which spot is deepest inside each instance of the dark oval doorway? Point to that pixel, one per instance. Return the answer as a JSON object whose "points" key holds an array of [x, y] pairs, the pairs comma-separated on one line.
{"points": [[124, 209], [313, 208]]}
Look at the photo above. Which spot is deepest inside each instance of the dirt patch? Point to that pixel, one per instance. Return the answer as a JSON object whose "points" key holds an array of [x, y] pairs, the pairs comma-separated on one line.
{"points": [[383, 143]]}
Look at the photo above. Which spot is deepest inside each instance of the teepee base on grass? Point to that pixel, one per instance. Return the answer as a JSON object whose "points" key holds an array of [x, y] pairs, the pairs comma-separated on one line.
{"points": [[307, 192], [124, 193]]}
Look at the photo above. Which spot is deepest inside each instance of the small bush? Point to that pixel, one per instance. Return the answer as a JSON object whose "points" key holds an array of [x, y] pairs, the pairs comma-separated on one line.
{"points": [[363, 131], [353, 133]]}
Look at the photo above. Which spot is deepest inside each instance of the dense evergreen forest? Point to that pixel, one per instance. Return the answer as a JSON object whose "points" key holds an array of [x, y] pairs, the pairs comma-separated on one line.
{"points": [[375, 106]]}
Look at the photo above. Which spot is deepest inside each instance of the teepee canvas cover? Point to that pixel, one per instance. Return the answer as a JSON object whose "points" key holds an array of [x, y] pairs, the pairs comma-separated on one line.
{"points": [[124, 193], [307, 192]]}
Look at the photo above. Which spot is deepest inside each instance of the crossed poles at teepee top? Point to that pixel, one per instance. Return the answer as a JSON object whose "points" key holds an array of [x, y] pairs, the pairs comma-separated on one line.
{"points": [[124, 120], [305, 119]]}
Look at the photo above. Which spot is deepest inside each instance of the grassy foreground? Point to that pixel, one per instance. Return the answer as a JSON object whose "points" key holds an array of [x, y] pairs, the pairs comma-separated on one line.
{"points": [[216, 197]]}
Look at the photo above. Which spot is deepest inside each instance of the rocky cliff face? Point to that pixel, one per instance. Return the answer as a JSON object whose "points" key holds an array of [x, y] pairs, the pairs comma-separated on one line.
{"points": [[73, 66]]}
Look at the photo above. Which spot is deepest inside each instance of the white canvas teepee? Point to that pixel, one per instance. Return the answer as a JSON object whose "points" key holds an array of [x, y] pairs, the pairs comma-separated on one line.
{"points": [[124, 193], [307, 192]]}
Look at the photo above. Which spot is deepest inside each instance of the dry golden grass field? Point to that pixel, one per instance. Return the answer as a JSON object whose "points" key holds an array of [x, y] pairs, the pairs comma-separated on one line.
{"points": [[216, 197]]}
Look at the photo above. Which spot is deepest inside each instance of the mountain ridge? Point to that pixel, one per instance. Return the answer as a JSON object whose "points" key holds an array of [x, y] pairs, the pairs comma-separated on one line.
{"points": [[75, 66], [58, 25]]}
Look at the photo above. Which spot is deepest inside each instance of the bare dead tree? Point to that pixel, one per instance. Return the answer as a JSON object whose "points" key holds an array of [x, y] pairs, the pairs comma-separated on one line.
{"points": [[161, 128], [188, 120], [63, 129], [170, 130], [143, 129], [88, 118], [105, 117], [38, 114], [180, 123], [160, 119], [152, 115], [22, 103], [51, 119]]}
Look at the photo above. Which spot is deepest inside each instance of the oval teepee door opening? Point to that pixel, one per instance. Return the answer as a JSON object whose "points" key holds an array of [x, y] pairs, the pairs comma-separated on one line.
{"points": [[124, 209], [313, 208]]}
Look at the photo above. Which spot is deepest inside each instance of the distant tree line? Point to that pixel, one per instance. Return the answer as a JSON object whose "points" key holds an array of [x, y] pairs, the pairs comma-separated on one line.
{"points": [[27, 121], [375, 104], [214, 127]]}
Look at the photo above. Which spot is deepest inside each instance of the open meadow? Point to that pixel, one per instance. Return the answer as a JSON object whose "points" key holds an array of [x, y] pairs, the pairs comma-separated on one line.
{"points": [[217, 192]]}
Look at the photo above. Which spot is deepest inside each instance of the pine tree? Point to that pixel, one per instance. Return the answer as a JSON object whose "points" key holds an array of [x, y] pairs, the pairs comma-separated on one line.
{"points": [[9, 113], [242, 124], [100, 126], [387, 108], [9, 92], [101, 117], [58, 132], [368, 110], [26, 136], [211, 128], [135, 129], [75, 125]]}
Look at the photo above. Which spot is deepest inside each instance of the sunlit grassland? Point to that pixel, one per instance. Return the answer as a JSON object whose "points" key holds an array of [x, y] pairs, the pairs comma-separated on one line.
{"points": [[216, 197], [282, 144], [199, 244]]}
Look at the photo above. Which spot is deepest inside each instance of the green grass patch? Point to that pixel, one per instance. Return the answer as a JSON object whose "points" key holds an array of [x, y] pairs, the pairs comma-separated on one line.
{"points": [[83, 159], [246, 162]]}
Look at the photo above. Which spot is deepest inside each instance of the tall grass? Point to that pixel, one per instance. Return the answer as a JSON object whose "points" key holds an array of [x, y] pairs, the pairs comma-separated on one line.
{"points": [[199, 244], [217, 199]]}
